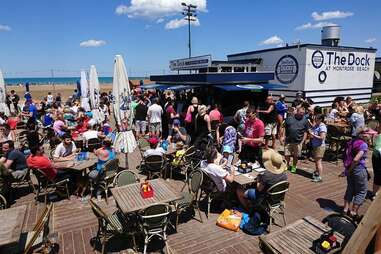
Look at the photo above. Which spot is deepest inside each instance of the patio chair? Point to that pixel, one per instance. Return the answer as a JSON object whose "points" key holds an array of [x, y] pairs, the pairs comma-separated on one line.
{"points": [[22, 137], [189, 199], [3, 202], [125, 177], [153, 165], [20, 126], [187, 163], [24, 180], [154, 222], [337, 140], [111, 169], [274, 203], [46, 186], [92, 144], [112, 225], [37, 241], [209, 188]]}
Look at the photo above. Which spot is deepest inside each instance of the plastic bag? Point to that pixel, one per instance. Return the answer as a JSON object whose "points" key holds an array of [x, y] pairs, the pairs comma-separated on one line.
{"points": [[230, 219]]}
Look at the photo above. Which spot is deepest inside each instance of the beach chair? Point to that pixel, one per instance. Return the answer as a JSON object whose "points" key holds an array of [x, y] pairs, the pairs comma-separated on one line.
{"points": [[125, 177], [110, 226], [154, 221], [46, 186], [190, 198]]}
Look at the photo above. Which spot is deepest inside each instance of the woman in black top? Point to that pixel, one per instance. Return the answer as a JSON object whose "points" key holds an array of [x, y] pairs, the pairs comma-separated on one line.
{"points": [[202, 125]]}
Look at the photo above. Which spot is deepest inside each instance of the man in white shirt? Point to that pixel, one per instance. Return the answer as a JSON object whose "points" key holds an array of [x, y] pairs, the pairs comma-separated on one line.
{"points": [[66, 150], [154, 149], [216, 172], [50, 99], [91, 133], [154, 113]]}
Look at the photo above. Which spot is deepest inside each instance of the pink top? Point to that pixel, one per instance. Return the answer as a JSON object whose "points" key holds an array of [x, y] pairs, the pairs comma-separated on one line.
{"points": [[254, 129], [215, 115]]}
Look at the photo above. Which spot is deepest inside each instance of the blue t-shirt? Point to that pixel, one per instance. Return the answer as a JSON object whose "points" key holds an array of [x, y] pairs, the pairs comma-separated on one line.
{"points": [[281, 108], [317, 129], [33, 110]]}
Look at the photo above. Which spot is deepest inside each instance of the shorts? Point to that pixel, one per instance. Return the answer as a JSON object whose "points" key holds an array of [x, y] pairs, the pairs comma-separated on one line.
{"points": [[318, 152], [155, 127], [270, 129], [140, 126], [293, 149], [357, 185], [19, 174]]}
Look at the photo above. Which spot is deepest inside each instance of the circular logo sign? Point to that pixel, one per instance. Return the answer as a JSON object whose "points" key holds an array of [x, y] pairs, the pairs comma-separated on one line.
{"points": [[317, 59], [322, 76], [253, 87], [287, 69]]}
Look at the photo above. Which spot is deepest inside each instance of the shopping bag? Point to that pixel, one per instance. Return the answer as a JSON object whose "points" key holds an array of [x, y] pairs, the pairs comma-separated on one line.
{"points": [[229, 219]]}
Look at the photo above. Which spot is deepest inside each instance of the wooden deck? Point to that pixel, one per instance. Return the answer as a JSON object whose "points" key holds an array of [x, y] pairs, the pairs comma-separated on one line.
{"points": [[75, 223]]}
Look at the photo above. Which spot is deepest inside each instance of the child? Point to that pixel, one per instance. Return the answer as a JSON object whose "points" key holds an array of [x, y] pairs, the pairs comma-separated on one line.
{"points": [[227, 158]]}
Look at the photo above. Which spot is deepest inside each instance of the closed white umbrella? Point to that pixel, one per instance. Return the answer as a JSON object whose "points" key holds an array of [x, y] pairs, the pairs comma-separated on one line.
{"points": [[94, 94], [3, 106], [124, 141], [84, 92]]}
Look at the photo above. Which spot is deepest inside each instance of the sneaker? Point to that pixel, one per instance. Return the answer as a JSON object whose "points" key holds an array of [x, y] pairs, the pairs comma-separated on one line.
{"points": [[293, 169], [317, 179]]}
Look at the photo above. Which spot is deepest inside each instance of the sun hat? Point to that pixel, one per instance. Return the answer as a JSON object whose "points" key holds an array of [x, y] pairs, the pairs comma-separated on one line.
{"points": [[275, 164], [153, 140], [227, 149], [194, 100], [266, 154]]}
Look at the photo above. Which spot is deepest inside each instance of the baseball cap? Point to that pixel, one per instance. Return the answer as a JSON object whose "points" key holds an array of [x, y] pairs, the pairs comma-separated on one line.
{"points": [[176, 122], [153, 140]]}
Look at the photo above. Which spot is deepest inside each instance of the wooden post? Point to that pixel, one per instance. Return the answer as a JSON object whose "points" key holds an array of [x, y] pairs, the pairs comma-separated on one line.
{"points": [[367, 228]]}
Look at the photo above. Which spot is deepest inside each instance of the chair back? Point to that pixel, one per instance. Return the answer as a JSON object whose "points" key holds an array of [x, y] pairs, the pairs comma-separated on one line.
{"points": [[42, 225], [3, 202], [41, 178], [156, 217], [196, 179], [102, 217], [93, 143], [125, 177], [277, 193], [111, 167], [208, 185], [20, 125], [154, 163]]}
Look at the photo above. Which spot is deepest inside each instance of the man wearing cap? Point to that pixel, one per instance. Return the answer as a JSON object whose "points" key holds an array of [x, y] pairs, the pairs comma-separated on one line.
{"points": [[154, 149], [275, 172], [178, 133], [298, 100]]}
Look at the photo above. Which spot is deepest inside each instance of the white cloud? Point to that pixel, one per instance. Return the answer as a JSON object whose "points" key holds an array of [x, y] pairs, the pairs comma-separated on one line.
{"points": [[5, 28], [147, 27], [92, 43], [160, 20], [176, 23], [309, 25], [153, 9], [273, 40], [331, 15], [371, 40]]}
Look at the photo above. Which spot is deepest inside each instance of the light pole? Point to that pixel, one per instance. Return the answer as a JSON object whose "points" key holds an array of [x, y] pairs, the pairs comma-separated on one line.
{"points": [[190, 15]]}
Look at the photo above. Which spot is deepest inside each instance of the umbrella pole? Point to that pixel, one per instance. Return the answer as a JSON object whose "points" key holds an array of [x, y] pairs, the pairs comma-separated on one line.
{"points": [[126, 161]]}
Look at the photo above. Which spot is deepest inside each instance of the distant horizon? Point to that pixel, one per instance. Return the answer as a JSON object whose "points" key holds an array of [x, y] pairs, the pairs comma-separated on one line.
{"points": [[58, 80]]}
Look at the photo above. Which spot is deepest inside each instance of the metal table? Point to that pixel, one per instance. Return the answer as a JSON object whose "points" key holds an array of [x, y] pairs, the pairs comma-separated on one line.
{"points": [[129, 199]]}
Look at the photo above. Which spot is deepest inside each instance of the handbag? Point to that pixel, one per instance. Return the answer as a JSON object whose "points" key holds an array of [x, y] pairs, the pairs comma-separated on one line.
{"points": [[188, 116], [229, 219]]}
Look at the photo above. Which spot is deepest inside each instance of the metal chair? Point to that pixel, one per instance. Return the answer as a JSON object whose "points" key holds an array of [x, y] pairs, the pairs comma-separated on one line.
{"points": [[3, 202], [24, 180], [209, 188], [125, 177], [110, 226], [336, 140], [274, 203], [188, 162], [154, 222], [153, 165], [47, 186], [20, 125], [111, 169], [92, 144], [189, 199], [34, 239]]}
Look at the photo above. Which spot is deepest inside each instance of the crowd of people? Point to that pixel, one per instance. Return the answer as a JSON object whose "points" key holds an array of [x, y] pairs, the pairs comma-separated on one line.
{"points": [[183, 120]]}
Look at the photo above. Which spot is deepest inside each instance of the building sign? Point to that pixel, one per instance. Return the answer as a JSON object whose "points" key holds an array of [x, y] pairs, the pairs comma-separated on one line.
{"points": [[340, 61], [286, 69], [191, 63]]}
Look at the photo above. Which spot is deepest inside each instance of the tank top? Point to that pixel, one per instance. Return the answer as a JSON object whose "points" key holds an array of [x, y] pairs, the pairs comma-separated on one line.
{"points": [[194, 113], [201, 126], [270, 117]]}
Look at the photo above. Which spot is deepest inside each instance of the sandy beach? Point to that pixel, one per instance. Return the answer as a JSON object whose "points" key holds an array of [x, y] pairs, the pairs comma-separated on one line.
{"points": [[40, 91]]}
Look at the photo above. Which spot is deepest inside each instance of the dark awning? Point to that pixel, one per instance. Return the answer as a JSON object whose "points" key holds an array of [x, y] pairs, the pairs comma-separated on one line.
{"points": [[245, 87]]}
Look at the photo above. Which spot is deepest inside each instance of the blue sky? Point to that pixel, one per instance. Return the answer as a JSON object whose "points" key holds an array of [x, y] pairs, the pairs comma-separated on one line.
{"points": [[39, 35]]}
